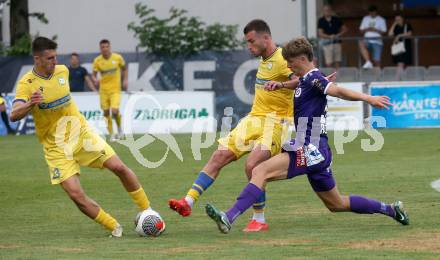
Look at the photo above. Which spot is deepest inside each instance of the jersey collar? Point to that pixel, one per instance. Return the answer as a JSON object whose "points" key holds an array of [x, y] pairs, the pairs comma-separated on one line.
{"points": [[42, 77], [270, 56], [310, 71], [109, 57]]}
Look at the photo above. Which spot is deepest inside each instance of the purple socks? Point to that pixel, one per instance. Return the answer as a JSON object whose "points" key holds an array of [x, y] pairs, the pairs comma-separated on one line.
{"points": [[250, 194], [358, 204], [363, 205]]}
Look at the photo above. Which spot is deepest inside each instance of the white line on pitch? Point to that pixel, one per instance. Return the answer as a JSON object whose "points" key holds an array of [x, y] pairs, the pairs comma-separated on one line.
{"points": [[436, 185]]}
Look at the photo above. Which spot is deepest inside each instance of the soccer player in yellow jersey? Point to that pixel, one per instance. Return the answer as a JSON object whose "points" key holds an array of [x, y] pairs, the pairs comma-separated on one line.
{"points": [[110, 64], [260, 133], [67, 140]]}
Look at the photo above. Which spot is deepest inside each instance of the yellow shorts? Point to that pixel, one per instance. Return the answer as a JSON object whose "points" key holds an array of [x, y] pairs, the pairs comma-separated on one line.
{"points": [[90, 150], [109, 100], [255, 130], [2, 101]]}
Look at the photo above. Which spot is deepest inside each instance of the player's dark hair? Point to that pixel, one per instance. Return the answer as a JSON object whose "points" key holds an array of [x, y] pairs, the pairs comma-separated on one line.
{"points": [[372, 8], [41, 44], [104, 41], [258, 26], [75, 54], [297, 47]]}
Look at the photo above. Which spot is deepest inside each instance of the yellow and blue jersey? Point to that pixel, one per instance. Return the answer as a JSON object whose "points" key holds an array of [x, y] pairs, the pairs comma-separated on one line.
{"points": [[110, 70], [57, 102], [280, 102]]}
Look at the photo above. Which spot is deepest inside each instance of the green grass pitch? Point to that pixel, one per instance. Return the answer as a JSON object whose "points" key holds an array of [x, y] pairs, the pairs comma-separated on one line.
{"points": [[38, 221]]}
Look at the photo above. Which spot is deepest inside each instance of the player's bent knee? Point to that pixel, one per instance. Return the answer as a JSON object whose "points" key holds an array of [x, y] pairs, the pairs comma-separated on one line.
{"points": [[221, 158]]}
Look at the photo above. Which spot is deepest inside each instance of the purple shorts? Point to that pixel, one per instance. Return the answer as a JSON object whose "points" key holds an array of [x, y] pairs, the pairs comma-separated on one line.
{"points": [[320, 175]]}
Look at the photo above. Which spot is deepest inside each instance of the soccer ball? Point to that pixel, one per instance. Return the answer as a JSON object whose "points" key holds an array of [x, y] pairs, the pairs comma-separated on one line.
{"points": [[149, 223]]}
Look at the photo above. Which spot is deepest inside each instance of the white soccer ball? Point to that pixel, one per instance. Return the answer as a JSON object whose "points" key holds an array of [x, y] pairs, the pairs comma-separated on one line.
{"points": [[149, 223]]}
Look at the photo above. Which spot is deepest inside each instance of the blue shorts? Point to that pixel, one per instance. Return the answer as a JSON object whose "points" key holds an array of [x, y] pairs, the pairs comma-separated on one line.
{"points": [[375, 50], [320, 175]]}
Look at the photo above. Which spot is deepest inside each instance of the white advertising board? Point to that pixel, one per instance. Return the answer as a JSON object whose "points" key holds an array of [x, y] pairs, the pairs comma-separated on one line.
{"points": [[343, 114], [156, 112]]}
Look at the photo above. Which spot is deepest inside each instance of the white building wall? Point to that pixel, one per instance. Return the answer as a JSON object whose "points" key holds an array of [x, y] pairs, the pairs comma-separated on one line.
{"points": [[80, 24]]}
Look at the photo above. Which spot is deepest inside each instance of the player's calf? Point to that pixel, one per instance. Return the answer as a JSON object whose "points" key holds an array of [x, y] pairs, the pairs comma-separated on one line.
{"points": [[260, 176], [204, 180], [125, 174], [218, 160], [339, 204], [129, 180]]}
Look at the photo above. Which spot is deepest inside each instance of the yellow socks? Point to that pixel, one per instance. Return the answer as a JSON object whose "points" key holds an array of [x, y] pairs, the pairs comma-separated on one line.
{"points": [[140, 198], [106, 220], [109, 124]]}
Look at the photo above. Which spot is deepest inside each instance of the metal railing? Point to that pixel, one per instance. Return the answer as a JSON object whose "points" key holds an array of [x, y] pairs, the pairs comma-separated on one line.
{"points": [[415, 44]]}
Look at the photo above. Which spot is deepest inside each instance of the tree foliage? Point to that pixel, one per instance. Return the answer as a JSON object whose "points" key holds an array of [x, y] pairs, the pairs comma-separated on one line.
{"points": [[21, 39], [180, 34]]}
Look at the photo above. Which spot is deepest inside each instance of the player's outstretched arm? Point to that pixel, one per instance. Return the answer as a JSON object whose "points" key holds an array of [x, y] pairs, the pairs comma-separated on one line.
{"points": [[274, 85], [347, 94], [291, 84], [20, 108]]}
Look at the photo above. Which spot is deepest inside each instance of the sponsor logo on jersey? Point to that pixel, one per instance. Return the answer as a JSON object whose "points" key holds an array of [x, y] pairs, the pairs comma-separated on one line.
{"points": [[300, 157], [55, 103], [62, 81], [269, 65], [297, 92]]}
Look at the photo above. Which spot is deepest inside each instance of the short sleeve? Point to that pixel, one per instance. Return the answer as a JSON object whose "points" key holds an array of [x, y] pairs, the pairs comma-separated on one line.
{"points": [[382, 25], [319, 82], [23, 92], [121, 62], [364, 23], [84, 71], [95, 65]]}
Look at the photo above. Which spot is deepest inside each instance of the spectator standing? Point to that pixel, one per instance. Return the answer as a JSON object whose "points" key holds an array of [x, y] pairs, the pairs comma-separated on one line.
{"points": [[330, 28], [78, 75], [399, 30], [372, 27]]}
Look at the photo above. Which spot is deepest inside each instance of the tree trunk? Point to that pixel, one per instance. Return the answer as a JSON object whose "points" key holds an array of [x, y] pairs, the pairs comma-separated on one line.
{"points": [[19, 23]]}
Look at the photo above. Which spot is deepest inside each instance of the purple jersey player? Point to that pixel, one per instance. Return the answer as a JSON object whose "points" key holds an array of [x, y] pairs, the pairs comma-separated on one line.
{"points": [[309, 153]]}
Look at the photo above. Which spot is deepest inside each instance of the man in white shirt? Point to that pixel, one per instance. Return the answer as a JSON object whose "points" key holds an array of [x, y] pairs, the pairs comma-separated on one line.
{"points": [[372, 27]]}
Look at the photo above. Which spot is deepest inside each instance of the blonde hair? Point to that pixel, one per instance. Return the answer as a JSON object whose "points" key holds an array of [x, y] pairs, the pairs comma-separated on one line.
{"points": [[296, 47]]}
